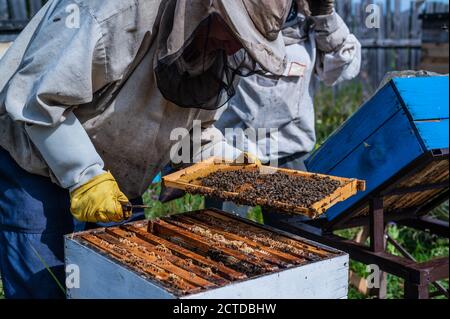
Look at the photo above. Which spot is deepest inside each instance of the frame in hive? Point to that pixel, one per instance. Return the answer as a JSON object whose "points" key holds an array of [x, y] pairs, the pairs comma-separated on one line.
{"points": [[206, 254]]}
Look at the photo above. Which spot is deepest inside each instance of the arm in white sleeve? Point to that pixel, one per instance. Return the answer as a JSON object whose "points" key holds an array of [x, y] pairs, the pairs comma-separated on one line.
{"points": [[214, 144], [339, 52], [61, 69], [68, 151], [208, 141]]}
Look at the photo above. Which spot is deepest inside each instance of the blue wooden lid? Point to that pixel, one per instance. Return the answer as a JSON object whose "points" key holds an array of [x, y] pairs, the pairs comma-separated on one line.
{"points": [[405, 119], [426, 99]]}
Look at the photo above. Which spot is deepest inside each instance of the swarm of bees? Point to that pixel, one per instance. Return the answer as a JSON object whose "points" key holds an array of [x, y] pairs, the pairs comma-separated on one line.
{"points": [[278, 187]]}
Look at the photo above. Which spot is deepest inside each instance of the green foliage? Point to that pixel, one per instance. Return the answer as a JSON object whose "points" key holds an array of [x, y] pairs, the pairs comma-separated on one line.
{"points": [[441, 212], [355, 294], [186, 204], [2, 293], [333, 107], [255, 214], [421, 245]]}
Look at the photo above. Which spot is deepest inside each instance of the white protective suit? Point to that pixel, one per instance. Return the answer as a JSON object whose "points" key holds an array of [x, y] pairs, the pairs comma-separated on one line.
{"points": [[76, 101], [316, 46]]}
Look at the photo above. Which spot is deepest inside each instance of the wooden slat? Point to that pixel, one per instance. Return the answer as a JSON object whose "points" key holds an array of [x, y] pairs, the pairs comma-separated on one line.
{"points": [[179, 262], [193, 218], [436, 50], [434, 133], [300, 246], [394, 46], [196, 242], [153, 273], [18, 9], [188, 224], [4, 12], [154, 260], [435, 172], [222, 270], [382, 43], [419, 94], [442, 68], [35, 6]]}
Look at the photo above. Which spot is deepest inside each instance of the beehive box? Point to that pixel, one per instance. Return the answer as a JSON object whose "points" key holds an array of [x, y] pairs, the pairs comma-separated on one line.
{"points": [[206, 254], [404, 121], [190, 179]]}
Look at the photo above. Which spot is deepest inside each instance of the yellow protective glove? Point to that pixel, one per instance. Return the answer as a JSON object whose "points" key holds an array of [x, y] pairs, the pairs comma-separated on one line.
{"points": [[244, 158], [99, 201], [248, 158]]}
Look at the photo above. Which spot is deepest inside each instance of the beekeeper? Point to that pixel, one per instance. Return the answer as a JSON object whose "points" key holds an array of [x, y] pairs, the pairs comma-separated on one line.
{"points": [[86, 111], [318, 44]]}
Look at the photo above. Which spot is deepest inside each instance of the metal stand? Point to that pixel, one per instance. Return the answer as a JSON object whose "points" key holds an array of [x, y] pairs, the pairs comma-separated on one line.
{"points": [[418, 276]]}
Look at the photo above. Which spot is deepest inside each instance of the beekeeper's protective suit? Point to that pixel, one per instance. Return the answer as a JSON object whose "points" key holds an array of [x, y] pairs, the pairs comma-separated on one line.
{"points": [[318, 44], [77, 101]]}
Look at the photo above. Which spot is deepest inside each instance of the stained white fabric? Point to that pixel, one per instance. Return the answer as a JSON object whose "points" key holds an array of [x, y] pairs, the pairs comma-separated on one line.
{"points": [[318, 46], [99, 76]]}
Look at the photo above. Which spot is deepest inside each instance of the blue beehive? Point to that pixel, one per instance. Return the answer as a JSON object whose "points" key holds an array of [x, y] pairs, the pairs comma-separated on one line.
{"points": [[406, 119]]}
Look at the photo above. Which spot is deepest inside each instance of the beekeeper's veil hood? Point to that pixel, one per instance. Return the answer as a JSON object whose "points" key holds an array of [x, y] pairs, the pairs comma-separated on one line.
{"points": [[193, 71]]}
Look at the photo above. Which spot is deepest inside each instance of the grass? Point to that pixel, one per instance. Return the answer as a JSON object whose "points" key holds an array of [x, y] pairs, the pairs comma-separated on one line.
{"points": [[334, 107], [421, 245], [2, 293], [186, 204]]}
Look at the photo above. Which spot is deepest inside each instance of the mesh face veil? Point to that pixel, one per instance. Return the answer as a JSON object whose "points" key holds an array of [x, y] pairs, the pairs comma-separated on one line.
{"points": [[203, 74], [201, 54]]}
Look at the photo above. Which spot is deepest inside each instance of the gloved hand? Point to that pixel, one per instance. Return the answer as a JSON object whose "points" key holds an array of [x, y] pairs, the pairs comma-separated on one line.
{"points": [[99, 201], [169, 194], [248, 158], [321, 7]]}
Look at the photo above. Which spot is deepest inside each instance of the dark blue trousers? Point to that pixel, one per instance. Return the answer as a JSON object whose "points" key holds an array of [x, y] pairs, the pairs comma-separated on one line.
{"points": [[34, 217]]}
